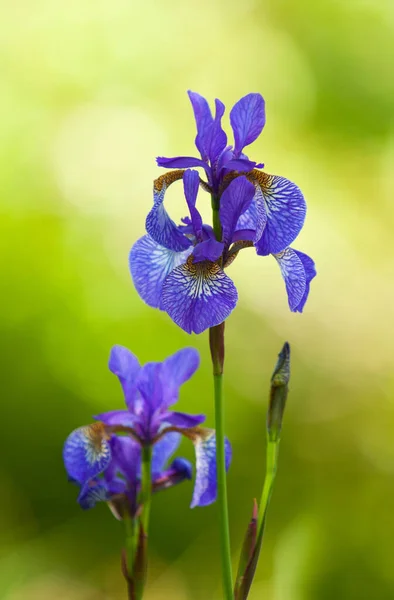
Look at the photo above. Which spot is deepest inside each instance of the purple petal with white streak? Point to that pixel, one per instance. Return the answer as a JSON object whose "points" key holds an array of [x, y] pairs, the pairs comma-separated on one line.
{"points": [[293, 273], [92, 492], [310, 273], [86, 453], [205, 488], [161, 227], [286, 209], [198, 296], [150, 263]]}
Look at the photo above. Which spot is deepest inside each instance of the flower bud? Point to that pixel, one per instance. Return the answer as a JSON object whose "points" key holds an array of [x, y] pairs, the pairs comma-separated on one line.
{"points": [[279, 390], [245, 572]]}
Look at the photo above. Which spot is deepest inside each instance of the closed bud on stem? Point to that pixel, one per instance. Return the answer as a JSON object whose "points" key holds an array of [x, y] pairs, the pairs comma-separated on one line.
{"points": [[278, 394], [245, 569]]}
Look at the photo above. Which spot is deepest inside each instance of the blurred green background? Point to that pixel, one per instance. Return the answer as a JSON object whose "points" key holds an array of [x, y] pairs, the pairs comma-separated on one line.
{"points": [[90, 92]]}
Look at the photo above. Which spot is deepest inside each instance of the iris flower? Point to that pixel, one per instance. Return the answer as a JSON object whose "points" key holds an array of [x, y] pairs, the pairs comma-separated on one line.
{"points": [[104, 458], [180, 268]]}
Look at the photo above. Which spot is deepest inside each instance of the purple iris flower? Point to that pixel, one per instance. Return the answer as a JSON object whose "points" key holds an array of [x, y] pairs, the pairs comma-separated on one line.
{"points": [[104, 458], [180, 268]]}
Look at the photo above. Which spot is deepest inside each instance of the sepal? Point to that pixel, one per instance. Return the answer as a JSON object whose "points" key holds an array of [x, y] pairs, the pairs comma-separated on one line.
{"points": [[205, 487], [87, 452]]}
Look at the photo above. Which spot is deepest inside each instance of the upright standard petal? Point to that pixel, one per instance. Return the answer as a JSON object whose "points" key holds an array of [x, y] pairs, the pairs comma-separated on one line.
{"points": [[124, 364], [247, 119], [235, 200], [151, 386], [191, 182], [205, 488], [150, 263], [217, 137], [293, 272], [86, 452], [198, 296], [286, 209], [204, 120], [159, 224], [176, 370], [310, 273]]}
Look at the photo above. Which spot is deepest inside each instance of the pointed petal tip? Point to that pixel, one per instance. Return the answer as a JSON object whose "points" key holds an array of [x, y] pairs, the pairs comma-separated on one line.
{"points": [[255, 511]]}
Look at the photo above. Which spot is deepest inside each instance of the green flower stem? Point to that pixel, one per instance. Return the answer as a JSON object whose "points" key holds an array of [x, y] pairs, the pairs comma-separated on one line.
{"points": [[216, 340], [130, 527], [222, 489], [270, 474], [136, 532], [276, 407], [145, 503], [146, 487], [217, 226]]}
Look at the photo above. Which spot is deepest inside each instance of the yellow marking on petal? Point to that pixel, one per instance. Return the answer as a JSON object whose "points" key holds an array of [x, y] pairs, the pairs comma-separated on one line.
{"points": [[167, 179], [205, 269], [258, 178], [97, 434], [195, 434]]}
